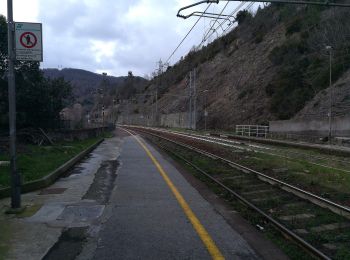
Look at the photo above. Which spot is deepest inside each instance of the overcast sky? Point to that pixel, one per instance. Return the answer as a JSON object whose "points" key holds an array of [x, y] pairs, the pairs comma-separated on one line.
{"points": [[108, 35]]}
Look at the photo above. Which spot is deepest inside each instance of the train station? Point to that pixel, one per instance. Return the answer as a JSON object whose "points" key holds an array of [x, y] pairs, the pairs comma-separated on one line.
{"points": [[145, 129]]}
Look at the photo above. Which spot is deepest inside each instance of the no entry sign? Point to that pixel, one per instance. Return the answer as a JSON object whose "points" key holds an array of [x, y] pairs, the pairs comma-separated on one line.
{"points": [[29, 41]]}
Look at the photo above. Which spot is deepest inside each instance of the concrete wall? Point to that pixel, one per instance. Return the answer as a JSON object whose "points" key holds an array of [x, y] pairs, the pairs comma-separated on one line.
{"points": [[79, 134], [177, 120], [340, 127], [135, 119]]}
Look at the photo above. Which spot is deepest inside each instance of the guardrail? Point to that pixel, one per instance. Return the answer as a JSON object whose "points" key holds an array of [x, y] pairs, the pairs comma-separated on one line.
{"points": [[252, 130]]}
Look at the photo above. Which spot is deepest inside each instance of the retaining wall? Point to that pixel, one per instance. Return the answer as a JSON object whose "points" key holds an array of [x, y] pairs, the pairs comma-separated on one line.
{"points": [[176, 120], [79, 134], [320, 128]]}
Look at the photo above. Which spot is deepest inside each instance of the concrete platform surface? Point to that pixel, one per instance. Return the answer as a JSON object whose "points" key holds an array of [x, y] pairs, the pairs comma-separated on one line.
{"points": [[60, 206], [145, 221]]}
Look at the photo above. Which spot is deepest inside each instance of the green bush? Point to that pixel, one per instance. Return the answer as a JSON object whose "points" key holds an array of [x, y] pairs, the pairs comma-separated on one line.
{"points": [[294, 26]]}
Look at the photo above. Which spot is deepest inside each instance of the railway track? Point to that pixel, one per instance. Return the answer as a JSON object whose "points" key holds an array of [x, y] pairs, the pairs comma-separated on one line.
{"points": [[320, 226], [271, 150], [341, 196]]}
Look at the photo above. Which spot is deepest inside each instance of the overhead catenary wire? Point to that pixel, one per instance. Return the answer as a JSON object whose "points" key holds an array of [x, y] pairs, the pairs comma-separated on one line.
{"points": [[230, 26], [178, 46], [205, 37], [232, 13]]}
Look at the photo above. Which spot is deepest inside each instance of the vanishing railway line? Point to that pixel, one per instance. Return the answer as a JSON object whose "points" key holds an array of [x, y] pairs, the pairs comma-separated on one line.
{"points": [[343, 164], [300, 172], [320, 226]]}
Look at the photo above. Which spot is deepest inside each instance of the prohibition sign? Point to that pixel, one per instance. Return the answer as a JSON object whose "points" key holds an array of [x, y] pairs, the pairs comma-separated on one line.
{"points": [[28, 40]]}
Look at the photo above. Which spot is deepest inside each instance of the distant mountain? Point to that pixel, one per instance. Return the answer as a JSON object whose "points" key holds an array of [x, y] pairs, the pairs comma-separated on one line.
{"points": [[84, 82]]}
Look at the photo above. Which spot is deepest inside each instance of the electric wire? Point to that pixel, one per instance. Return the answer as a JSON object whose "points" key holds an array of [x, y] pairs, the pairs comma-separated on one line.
{"points": [[232, 13], [186, 35], [205, 37], [230, 26]]}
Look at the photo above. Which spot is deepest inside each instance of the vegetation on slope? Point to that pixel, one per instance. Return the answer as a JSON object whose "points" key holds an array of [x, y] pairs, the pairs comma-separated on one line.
{"points": [[299, 62]]}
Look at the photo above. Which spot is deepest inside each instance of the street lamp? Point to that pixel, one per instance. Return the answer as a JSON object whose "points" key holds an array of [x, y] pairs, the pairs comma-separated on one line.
{"points": [[329, 48]]}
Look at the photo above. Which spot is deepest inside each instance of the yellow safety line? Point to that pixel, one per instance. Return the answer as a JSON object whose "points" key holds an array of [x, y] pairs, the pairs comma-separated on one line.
{"points": [[203, 234]]}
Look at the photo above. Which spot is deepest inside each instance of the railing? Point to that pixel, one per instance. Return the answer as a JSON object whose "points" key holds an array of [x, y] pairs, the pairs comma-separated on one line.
{"points": [[252, 130]]}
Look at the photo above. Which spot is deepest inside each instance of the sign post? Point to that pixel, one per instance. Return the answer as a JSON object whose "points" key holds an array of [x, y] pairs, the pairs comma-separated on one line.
{"points": [[15, 177], [25, 44]]}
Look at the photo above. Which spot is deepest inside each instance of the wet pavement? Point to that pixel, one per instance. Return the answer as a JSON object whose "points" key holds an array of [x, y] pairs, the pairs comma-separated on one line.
{"points": [[147, 222], [72, 202]]}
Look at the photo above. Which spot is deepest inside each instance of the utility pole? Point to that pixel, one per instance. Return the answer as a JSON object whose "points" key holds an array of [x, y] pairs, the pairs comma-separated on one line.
{"points": [[194, 101], [103, 117], [205, 109], [190, 103], [329, 48], [128, 111], [15, 177], [159, 72], [156, 95]]}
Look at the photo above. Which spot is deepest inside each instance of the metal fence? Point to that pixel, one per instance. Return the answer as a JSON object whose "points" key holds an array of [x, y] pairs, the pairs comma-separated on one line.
{"points": [[252, 130]]}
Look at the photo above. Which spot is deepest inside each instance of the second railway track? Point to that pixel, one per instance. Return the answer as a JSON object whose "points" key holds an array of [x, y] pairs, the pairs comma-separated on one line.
{"points": [[320, 226]]}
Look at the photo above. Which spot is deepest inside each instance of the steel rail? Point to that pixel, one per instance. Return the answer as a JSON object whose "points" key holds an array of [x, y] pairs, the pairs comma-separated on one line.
{"points": [[279, 182], [230, 142], [256, 147], [266, 147], [314, 251]]}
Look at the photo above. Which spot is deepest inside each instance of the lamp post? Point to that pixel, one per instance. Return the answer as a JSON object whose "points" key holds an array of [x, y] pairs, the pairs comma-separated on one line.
{"points": [[329, 48]]}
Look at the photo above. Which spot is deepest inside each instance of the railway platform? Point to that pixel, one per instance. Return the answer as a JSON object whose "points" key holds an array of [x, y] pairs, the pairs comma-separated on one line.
{"points": [[156, 214], [127, 200]]}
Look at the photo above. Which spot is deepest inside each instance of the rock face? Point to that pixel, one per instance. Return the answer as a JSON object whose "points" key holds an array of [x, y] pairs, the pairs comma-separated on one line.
{"points": [[272, 66], [235, 80], [338, 96]]}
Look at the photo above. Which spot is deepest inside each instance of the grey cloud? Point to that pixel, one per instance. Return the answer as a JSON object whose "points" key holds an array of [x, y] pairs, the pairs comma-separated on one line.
{"points": [[70, 26]]}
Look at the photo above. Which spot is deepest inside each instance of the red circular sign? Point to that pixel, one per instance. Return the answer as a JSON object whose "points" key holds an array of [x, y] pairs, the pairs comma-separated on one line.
{"points": [[28, 40]]}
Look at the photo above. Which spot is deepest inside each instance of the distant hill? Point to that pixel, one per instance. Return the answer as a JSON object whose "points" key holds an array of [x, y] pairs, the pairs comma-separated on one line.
{"points": [[83, 81], [86, 84]]}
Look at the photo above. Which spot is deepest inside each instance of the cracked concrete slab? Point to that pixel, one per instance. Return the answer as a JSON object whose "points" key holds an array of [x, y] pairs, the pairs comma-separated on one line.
{"points": [[31, 237]]}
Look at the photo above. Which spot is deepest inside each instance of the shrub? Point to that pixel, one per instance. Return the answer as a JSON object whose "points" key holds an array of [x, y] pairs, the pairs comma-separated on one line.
{"points": [[294, 26]]}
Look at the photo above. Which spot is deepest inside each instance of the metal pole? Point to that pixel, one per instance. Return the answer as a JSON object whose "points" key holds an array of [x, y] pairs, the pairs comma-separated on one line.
{"points": [[15, 177], [128, 112], [156, 122], [205, 110], [103, 118], [190, 103], [331, 96], [195, 100]]}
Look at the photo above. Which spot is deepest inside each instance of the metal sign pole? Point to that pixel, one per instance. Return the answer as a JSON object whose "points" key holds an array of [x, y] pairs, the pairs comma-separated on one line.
{"points": [[15, 177]]}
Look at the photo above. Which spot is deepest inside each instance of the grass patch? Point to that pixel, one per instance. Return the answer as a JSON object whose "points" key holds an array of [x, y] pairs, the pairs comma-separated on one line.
{"points": [[330, 183], [5, 236], [278, 203], [35, 162]]}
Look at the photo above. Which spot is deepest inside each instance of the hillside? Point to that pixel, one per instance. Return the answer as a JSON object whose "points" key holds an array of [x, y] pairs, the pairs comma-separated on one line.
{"points": [[83, 81], [86, 84], [338, 96], [92, 90], [269, 67]]}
